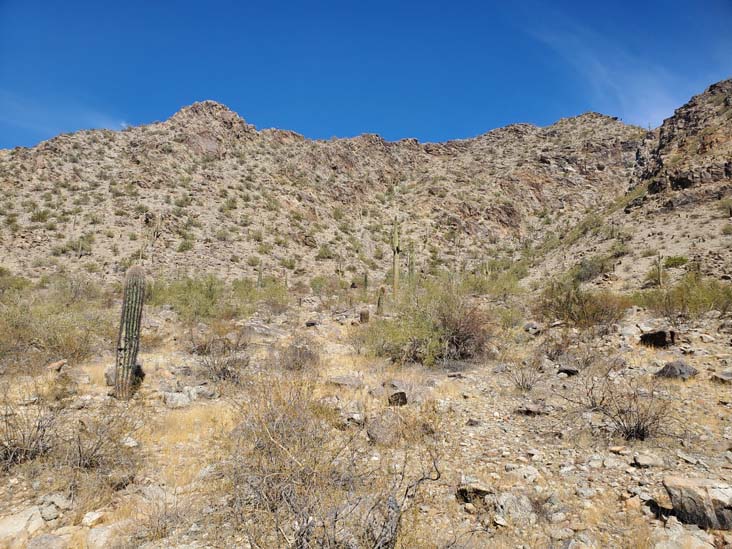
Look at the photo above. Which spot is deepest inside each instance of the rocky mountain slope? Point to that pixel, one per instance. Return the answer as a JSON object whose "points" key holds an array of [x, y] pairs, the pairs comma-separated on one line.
{"points": [[679, 204], [205, 191]]}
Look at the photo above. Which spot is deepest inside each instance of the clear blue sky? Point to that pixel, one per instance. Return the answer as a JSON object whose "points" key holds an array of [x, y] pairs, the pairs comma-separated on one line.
{"points": [[425, 69]]}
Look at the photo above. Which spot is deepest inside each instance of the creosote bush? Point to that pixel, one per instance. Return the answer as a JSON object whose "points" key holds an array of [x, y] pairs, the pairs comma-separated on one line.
{"points": [[61, 317], [208, 297], [567, 301], [435, 324], [691, 297]]}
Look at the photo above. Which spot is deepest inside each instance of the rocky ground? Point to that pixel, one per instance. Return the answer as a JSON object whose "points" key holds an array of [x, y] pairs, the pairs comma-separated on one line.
{"points": [[529, 466]]}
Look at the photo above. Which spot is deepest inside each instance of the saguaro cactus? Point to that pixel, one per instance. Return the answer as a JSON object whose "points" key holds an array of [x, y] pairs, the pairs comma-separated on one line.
{"points": [[128, 341], [395, 250]]}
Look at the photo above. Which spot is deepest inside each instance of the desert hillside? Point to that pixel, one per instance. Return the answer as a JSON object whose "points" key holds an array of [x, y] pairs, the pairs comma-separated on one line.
{"points": [[217, 336]]}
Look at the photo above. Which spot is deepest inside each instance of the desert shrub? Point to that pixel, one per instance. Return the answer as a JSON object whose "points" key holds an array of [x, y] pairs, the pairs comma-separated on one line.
{"points": [[299, 354], [26, 431], [691, 297], [567, 301], [224, 358], [438, 324], [675, 261], [60, 318], [208, 297], [636, 412], [295, 480], [525, 375], [590, 268]]}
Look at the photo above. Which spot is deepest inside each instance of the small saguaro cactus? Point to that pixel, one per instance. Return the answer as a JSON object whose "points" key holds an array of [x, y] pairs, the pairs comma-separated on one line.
{"points": [[395, 250], [380, 302], [128, 341]]}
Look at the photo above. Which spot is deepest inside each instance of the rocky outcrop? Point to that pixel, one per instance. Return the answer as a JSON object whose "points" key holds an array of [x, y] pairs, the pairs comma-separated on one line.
{"points": [[701, 501]]}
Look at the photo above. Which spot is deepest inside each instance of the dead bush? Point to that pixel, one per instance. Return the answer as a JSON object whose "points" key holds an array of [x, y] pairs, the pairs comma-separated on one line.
{"points": [[224, 358], [101, 440], [525, 375], [297, 481], [300, 354], [28, 428], [635, 408]]}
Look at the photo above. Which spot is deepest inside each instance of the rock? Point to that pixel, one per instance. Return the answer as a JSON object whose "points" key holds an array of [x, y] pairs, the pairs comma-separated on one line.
{"points": [[471, 490], [722, 377], [59, 500], [49, 512], [349, 381], [528, 473], [47, 541], [659, 338], [398, 398], [725, 327], [515, 508], [92, 518], [385, 429], [176, 400], [678, 369], [532, 328], [200, 392], [675, 536], [129, 442], [20, 525], [702, 501], [311, 323], [568, 370], [57, 366], [532, 409], [646, 460]]}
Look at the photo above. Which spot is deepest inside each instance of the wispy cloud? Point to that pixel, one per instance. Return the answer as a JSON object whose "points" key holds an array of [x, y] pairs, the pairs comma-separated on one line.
{"points": [[622, 82], [46, 118]]}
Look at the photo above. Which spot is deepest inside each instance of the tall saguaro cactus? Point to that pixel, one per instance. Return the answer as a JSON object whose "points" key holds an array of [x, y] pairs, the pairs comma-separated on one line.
{"points": [[395, 250], [128, 341]]}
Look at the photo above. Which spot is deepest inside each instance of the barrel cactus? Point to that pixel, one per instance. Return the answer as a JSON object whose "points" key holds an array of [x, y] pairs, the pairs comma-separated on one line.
{"points": [[128, 341]]}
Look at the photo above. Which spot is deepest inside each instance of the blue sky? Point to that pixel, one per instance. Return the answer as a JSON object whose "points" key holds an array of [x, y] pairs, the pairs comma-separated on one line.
{"points": [[425, 69]]}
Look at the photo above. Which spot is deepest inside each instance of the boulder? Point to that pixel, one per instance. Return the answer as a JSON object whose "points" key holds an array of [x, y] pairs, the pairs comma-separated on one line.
{"points": [[658, 338], [678, 369], [19, 526], [532, 328], [176, 400], [385, 429], [702, 501], [722, 377]]}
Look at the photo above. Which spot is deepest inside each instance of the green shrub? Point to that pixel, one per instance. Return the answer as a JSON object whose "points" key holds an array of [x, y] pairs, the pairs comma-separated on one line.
{"points": [[437, 324], [208, 297], [590, 268], [565, 300], [691, 297], [675, 261]]}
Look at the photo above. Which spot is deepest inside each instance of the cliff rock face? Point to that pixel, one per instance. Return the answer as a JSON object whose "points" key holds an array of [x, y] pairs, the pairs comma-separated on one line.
{"points": [[695, 145]]}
